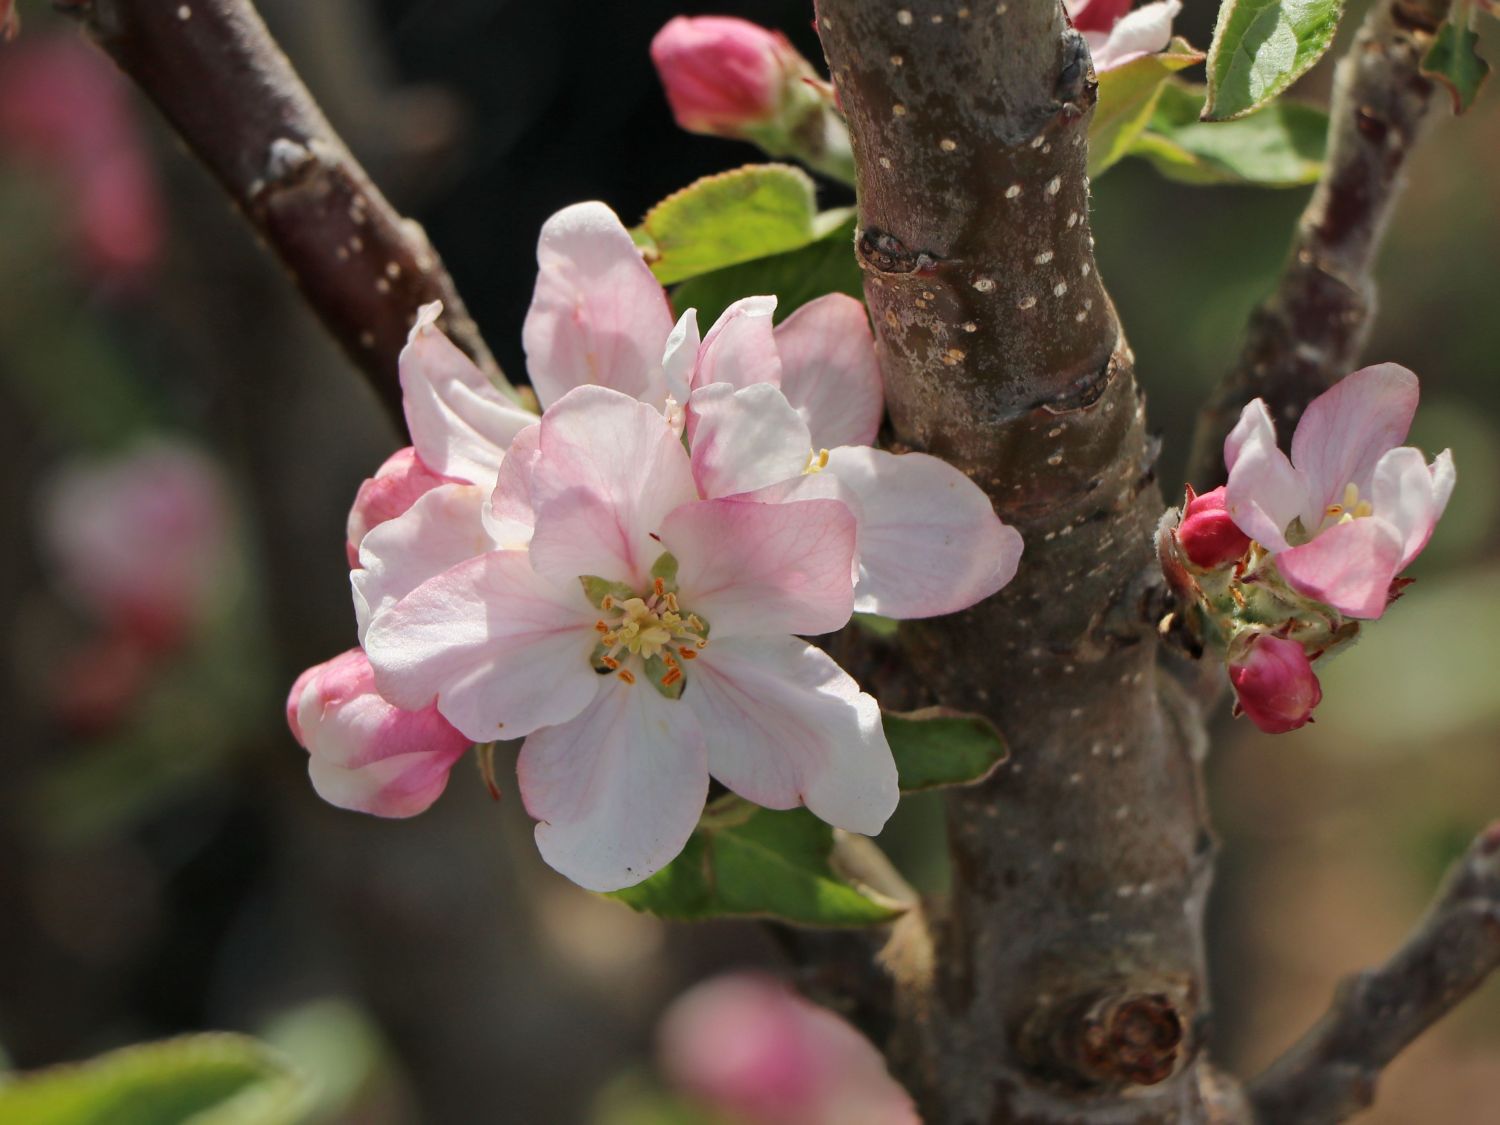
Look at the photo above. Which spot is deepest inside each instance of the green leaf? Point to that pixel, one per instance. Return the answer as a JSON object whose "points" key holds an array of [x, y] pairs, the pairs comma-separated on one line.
{"points": [[665, 568], [825, 266], [1282, 145], [937, 746], [728, 218], [1455, 63], [1127, 98], [211, 1079], [596, 589], [1261, 47], [744, 861]]}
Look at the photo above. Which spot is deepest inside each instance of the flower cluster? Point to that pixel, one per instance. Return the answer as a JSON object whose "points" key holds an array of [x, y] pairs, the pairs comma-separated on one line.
{"points": [[1281, 564], [625, 582]]}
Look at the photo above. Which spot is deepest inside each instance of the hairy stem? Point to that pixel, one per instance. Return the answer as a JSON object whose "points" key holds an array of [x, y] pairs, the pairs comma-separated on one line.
{"points": [[224, 85], [1065, 983], [1330, 1074], [1308, 334]]}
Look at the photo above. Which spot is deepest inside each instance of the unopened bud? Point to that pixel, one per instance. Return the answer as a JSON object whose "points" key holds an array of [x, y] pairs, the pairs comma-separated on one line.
{"points": [[1207, 535], [1274, 683], [723, 75]]}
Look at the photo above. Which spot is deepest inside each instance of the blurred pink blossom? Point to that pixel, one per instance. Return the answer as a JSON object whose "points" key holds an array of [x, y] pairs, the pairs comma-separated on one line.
{"points": [[746, 1045], [63, 105], [724, 75], [142, 539], [1274, 683]]}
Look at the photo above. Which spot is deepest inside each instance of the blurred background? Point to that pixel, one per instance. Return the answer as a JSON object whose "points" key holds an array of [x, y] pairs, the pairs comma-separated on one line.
{"points": [[164, 864]]}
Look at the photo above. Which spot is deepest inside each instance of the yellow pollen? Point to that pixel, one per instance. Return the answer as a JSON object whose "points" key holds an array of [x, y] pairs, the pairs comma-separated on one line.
{"points": [[1349, 507], [816, 462]]}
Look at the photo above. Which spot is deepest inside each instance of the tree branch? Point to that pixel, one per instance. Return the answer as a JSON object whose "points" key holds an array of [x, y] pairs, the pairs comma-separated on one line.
{"points": [[224, 85], [1065, 983], [1309, 332], [1330, 1074]]}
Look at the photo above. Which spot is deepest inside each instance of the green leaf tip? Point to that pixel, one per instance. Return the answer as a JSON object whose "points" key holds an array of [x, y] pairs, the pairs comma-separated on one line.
{"points": [[1261, 47], [1454, 61], [936, 747]]}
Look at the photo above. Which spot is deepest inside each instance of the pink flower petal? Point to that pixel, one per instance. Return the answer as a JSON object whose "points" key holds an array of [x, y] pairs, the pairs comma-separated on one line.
{"points": [[791, 727], [1096, 15], [363, 753], [680, 356], [501, 650], [598, 316], [1142, 32], [1411, 496], [829, 372], [1349, 566], [740, 348], [625, 454], [619, 789], [745, 439], [393, 489], [460, 422], [764, 569], [1347, 429], [509, 515], [442, 529], [1264, 494], [929, 540]]}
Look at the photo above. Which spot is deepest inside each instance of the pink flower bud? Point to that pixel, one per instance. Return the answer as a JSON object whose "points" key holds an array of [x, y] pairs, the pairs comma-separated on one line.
{"points": [[1275, 683], [363, 753], [747, 1045], [1096, 15], [722, 74], [142, 540], [395, 487], [1207, 534]]}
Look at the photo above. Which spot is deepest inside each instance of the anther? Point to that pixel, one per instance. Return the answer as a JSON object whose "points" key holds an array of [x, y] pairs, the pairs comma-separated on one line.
{"points": [[627, 675], [659, 586]]}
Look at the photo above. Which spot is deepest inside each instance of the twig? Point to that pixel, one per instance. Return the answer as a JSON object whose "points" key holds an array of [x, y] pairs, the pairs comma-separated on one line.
{"points": [[1309, 332], [221, 81], [1330, 1074], [1065, 982]]}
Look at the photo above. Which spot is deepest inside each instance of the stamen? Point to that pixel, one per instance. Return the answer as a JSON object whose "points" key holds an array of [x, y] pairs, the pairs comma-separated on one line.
{"points": [[627, 675], [607, 602], [687, 654], [672, 602], [671, 677], [660, 587], [601, 627], [609, 662]]}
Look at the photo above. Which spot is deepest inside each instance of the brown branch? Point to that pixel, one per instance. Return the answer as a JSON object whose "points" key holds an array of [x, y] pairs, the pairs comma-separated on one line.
{"points": [[221, 81], [1330, 1074], [1309, 332], [1065, 983]]}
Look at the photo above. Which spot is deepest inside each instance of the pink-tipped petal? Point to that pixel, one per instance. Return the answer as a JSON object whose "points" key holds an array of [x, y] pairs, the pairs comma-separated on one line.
{"points": [[929, 540], [624, 453], [460, 422], [745, 439], [501, 650], [791, 727], [393, 489], [740, 349], [764, 569], [598, 316], [1406, 493], [829, 372], [1264, 494], [1349, 566], [363, 753], [1348, 428], [442, 529], [619, 789], [1096, 15], [1142, 32]]}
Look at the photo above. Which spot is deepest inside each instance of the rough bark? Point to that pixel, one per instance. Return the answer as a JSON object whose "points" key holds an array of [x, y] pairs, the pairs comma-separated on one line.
{"points": [[1330, 1074], [363, 268], [1308, 334], [1066, 981]]}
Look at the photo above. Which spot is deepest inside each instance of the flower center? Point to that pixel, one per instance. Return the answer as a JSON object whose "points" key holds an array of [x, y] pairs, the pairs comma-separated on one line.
{"points": [[650, 634], [1349, 507]]}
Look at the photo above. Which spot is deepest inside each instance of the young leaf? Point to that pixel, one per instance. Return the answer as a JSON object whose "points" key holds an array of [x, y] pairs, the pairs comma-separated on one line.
{"points": [[728, 218], [1455, 63], [825, 266], [1281, 145], [745, 861], [1127, 97], [197, 1078], [1261, 47], [936, 746]]}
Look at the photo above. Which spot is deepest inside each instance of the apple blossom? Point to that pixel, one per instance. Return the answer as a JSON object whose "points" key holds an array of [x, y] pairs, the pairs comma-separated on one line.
{"points": [[723, 75], [1273, 681], [1116, 35], [1207, 535], [747, 1045], [142, 539], [1351, 507], [363, 753], [635, 619]]}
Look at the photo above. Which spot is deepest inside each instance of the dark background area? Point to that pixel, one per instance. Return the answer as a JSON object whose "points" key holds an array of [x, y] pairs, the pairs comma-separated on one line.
{"points": [[175, 871]]}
